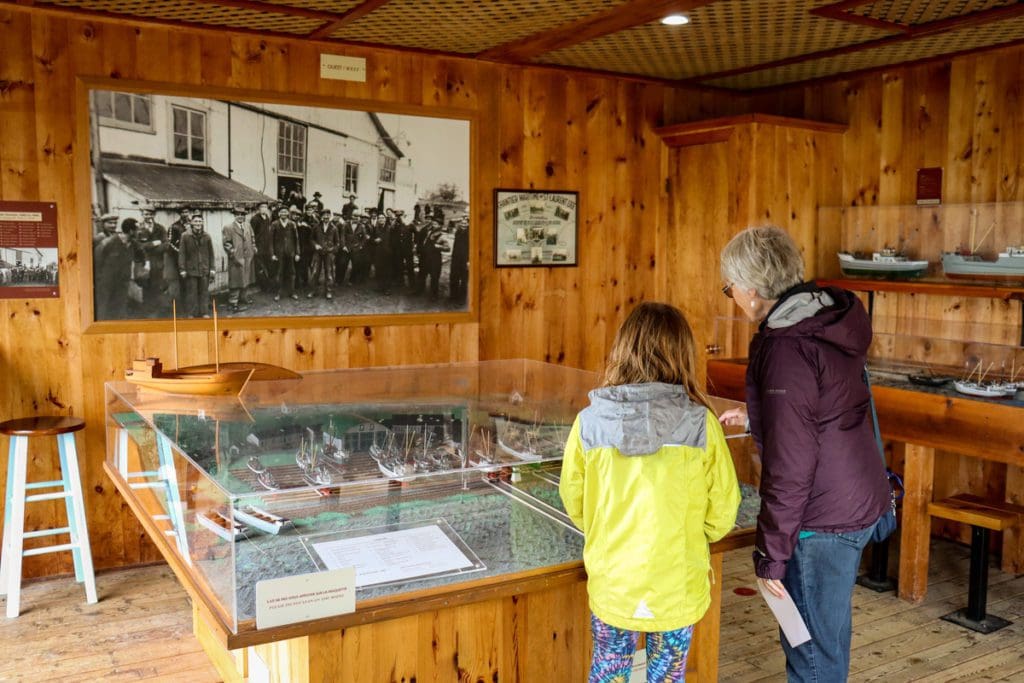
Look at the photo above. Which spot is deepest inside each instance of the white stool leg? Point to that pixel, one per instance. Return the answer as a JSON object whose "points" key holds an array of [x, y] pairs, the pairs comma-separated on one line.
{"points": [[76, 514], [4, 554], [69, 504], [15, 527]]}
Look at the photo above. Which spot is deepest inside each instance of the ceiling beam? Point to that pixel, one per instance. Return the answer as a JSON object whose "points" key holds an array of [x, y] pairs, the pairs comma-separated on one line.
{"points": [[838, 12], [257, 6], [917, 31], [354, 14], [627, 15]]}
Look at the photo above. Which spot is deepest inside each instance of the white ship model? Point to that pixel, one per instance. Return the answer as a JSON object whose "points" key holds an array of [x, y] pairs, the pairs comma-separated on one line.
{"points": [[988, 389], [258, 518], [222, 525], [885, 263], [1009, 265]]}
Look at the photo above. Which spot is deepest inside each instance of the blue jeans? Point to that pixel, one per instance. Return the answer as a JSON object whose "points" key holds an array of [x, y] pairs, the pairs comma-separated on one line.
{"points": [[820, 577]]}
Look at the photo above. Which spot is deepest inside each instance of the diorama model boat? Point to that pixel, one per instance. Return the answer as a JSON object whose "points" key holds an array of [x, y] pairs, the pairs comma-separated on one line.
{"points": [[885, 263], [1009, 265], [149, 373], [985, 389], [259, 518], [928, 380], [217, 522]]}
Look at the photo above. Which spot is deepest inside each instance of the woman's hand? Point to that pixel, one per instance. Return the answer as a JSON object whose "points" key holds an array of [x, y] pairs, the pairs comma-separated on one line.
{"points": [[734, 417], [773, 586]]}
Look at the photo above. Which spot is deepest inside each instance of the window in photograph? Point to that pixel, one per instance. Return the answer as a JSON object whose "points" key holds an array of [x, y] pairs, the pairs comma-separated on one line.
{"points": [[125, 110], [388, 166], [291, 149], [189, 135], [351, 177]]}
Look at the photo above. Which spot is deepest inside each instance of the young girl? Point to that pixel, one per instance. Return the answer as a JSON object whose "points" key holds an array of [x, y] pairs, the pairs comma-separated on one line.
{"points": [[649, 480]]}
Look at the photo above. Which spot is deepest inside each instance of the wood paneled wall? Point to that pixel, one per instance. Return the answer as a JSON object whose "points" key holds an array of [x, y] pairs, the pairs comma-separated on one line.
{"points": [[536, 128], [764, 173]]}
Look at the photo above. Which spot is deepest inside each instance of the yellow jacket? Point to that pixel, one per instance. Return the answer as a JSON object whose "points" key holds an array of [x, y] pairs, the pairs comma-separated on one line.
{"points": [[648, 478]]}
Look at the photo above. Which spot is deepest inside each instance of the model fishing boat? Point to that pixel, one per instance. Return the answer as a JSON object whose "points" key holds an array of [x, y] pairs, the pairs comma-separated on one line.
{"points": [[259, 518], [985, 389], [888, 263], [967, 263], [149, 373], [220, 524], [1009, 265]]}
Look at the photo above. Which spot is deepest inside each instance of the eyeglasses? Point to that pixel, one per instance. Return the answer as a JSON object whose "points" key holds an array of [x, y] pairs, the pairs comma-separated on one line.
{"points": [[727, 289]]}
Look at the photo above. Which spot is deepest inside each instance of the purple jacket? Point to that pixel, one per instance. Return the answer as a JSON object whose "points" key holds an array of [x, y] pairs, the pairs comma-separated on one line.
{"points": [[810, 417]]}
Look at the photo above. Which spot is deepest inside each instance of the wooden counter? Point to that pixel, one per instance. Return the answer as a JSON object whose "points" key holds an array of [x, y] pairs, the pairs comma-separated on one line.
{"points": [[921, 423]]}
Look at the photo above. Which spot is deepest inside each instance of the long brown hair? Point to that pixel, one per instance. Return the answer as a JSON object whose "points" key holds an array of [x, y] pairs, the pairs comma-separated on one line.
{"points": [[655, 344]]}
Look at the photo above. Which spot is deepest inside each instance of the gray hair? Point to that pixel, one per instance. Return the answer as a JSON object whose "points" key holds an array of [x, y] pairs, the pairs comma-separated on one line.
{"points": [[764, 258]]}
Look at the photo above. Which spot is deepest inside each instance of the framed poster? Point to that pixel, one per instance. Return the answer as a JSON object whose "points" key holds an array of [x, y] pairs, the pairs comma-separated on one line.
{"points": [[296, 208], [535, 228], [28, 250]]}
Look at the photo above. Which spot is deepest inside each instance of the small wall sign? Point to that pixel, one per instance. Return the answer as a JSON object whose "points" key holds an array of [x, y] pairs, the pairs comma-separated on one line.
{"points": [[342, 68], [28, 250], [929, 185]]}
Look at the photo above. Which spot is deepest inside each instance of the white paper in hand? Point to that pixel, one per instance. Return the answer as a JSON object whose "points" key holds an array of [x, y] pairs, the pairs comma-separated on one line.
{"points": [[788, 616]]}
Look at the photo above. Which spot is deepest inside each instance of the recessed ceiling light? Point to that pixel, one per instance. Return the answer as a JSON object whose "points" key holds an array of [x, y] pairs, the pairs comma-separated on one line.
{"points": [[676, 20]]}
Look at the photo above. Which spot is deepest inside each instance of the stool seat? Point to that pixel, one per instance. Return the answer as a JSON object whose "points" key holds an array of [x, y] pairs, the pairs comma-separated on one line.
{"points": [[983, 516], [41, 426], [69, 488]]}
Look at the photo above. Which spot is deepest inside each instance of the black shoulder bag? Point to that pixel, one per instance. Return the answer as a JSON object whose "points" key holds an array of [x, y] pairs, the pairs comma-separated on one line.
{"points": [[887, 522]]}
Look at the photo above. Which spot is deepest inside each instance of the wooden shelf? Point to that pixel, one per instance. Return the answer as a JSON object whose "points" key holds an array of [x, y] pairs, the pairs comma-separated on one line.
{"points": [[983, 291], [721, 129]]}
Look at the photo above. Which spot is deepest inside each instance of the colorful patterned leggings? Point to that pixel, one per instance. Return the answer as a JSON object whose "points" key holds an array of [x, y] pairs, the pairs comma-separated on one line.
{"points": [[614, 648]]}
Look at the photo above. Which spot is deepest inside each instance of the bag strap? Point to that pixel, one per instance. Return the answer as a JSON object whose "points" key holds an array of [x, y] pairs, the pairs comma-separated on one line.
{"points": [[894, 479], [874, 417]]}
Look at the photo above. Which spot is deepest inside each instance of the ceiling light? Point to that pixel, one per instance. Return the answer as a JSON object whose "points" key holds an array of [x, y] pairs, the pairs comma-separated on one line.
{"points": [[676, 20]]}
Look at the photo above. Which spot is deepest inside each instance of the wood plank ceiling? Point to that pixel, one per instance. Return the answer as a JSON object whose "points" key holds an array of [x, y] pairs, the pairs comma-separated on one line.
{"points": [[741, 45]]}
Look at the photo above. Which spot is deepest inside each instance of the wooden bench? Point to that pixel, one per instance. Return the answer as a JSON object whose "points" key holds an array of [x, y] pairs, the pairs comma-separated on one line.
{"points": [[983, 516]]}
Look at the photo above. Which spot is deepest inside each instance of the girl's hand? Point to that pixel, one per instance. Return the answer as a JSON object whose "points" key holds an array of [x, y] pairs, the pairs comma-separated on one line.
{"points": [[734, 417], [773, 586]]}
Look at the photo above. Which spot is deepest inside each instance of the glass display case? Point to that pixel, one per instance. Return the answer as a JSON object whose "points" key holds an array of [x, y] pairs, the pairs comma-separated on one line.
{"points": [[905, 354], [420, 477], [909, 354]]}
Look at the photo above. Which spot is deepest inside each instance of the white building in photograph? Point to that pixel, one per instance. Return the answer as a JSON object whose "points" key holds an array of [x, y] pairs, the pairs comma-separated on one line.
{"points": [[170, 152]]}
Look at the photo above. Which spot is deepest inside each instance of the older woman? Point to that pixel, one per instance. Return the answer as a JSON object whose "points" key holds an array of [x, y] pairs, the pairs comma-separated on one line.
{"points": [[823, 486]]}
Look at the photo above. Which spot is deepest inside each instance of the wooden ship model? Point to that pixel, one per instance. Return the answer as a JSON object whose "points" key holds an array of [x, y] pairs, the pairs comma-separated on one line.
{"points": [[149, 373], [216, 379]]}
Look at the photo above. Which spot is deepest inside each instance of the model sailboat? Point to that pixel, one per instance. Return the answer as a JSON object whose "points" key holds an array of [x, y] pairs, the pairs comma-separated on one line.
{"points": [[218, 379]]}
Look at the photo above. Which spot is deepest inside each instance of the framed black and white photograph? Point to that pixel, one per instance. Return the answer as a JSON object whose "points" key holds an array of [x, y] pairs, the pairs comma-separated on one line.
{"points": [[535, 228], [272, 209]]}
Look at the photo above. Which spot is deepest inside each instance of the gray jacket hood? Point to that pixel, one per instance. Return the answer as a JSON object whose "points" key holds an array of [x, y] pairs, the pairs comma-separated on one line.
{"points": [[638, 419]]}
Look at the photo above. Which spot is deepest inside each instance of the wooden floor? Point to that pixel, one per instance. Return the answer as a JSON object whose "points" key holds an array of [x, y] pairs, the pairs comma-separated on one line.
{"points": [[141, 630]]}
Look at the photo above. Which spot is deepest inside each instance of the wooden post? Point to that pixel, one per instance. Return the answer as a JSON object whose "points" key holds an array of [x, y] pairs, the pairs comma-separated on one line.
{"points": [[1013, 539], [915, 534]]}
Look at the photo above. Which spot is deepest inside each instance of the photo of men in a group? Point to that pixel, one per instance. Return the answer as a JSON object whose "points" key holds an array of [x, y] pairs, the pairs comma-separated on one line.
{"points": [[274, 209]]}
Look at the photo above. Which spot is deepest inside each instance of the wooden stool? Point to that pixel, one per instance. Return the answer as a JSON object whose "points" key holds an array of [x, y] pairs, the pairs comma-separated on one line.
{"points": [[14, 505], [983, 516]]}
